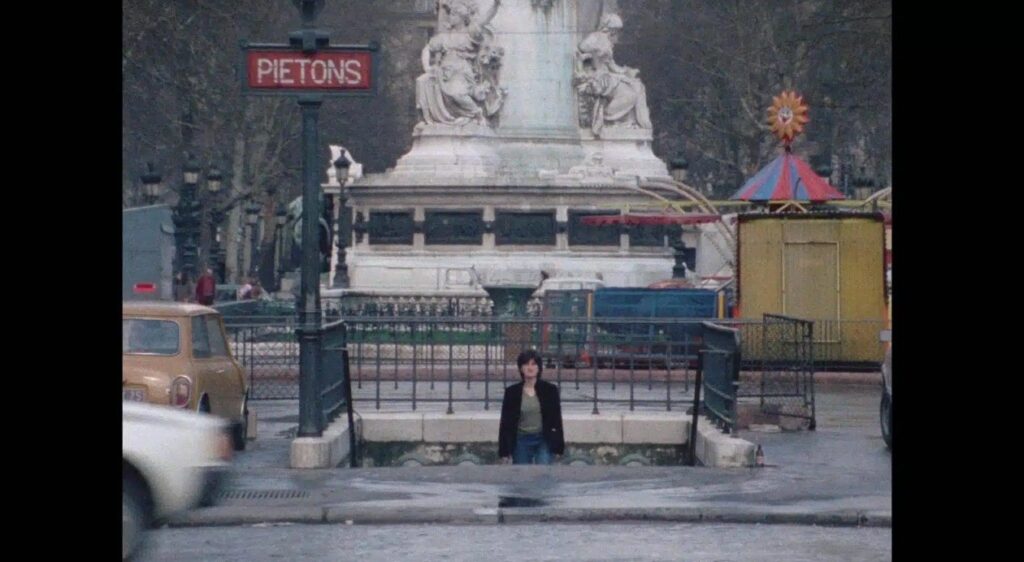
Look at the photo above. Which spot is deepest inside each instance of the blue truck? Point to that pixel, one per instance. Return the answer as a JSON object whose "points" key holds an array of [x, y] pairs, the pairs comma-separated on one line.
{"points": [[626, 326]]}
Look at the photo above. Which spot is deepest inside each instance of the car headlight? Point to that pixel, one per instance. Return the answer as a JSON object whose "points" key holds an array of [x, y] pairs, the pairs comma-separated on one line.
{"points": [[181, 391]]}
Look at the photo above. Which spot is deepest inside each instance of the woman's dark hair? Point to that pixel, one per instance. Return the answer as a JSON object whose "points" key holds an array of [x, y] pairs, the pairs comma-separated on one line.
{"points": [[526, 356]]}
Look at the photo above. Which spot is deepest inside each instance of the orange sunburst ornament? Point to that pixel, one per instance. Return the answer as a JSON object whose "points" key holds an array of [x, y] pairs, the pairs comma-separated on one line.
{"points": [[787, 116]]}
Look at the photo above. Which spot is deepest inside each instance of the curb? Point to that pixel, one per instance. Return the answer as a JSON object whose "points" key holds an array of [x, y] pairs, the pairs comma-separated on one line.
{"points": [[698, 515], [867, 378], [359, 515], [249, 515], [364, 515], [829, 378]]}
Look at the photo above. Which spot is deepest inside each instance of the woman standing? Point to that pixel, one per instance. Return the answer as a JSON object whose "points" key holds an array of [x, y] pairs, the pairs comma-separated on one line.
{"points": [[530, 431]]}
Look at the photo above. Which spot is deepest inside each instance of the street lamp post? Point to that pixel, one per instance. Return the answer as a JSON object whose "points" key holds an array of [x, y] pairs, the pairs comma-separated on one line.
{"points": [[678, 252], [341, 280], [679, 167], [214, 181], [862, 187], [310, 45], [252, 214], [151, 186], [310, 331], [825, 172], [307, 48], [847, 172], [186, 218], [280, 218]]}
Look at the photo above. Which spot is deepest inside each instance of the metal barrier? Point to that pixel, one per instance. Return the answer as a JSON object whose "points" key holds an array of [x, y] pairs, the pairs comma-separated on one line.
{"points": [[423, 354], [784, 369], [720, 374], [430, 352], [269, 354], [413, 305], [848, 344], [334, 371], [629, 362]]}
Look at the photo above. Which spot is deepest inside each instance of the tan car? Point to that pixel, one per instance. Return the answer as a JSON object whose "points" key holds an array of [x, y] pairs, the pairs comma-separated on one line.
{"points": [[176, 354]]}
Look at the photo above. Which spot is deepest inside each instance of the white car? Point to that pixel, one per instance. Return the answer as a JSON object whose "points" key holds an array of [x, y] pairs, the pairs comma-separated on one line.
{"points": [[172, 460]]}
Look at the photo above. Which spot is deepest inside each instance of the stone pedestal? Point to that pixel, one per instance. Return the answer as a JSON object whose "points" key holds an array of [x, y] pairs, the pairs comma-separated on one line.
{"points": [[533, 159], [466, 152], [626, 151]]}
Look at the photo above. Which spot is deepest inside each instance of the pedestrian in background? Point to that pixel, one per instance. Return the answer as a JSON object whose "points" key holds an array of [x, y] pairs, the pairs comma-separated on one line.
{"points": [[245, 291], [182, 287], [206, 288]]}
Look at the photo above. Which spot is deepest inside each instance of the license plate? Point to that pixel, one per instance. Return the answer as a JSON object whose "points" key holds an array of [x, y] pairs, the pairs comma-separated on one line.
{"points": [[134, 394]]}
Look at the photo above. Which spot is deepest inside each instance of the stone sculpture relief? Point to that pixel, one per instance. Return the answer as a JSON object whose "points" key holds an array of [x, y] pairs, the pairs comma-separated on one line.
{"points": [[461, 63], [610, 95]]}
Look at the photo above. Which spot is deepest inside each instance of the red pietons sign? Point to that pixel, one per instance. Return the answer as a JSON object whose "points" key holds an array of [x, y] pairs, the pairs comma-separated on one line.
{"points": [[292, 70]]}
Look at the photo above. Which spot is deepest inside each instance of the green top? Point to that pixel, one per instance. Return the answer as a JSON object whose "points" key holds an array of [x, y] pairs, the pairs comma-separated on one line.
{"points": [[529, 414]]}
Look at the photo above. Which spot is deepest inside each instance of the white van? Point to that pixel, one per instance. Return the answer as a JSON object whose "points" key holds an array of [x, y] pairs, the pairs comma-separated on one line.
{"points": [[568, 284]]}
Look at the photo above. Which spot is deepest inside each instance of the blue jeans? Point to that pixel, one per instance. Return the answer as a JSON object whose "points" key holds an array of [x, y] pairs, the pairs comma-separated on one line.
{"points": [[531, 448]]}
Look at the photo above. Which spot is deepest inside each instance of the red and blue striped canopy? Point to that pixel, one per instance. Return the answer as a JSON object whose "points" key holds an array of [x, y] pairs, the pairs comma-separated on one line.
{"points": [[787, 178]]}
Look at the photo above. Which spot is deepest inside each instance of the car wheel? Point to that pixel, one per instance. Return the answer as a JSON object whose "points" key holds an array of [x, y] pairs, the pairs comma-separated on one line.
{"points": [[135, 516], [886, 418], [240, 429]]}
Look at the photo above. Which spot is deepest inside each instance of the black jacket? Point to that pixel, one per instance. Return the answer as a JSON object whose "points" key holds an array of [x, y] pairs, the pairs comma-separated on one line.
{"points": [[550, 412]]}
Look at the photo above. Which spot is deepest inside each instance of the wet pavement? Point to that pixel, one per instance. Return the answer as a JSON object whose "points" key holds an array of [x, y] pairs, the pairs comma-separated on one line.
{"points": [[528, 541], [841, 472]]}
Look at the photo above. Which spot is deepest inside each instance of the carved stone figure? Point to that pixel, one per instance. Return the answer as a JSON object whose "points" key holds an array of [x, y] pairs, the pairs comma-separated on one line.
{"points": [[459, 84], [610, 95]]}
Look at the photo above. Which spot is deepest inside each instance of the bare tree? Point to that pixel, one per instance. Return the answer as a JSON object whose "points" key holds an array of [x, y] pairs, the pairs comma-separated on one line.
{"points": [[711, 68], [180, 67], [716, 66]]}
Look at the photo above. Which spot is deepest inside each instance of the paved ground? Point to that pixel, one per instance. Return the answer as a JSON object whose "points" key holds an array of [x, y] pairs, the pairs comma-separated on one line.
{"points": [[528, 542], [839, 474]]}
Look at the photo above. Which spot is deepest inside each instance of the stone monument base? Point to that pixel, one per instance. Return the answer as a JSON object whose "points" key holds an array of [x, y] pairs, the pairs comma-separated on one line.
{"points": [[626, 151], [441, 273], [466, 152]]}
